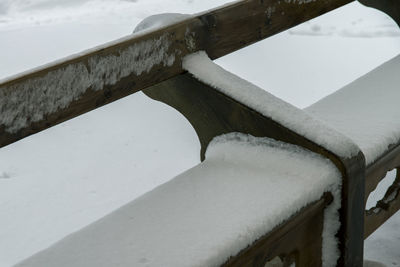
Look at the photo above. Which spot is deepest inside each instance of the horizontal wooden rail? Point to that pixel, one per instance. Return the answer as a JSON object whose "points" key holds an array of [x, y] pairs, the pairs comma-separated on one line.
{"points": [[45, 97]]}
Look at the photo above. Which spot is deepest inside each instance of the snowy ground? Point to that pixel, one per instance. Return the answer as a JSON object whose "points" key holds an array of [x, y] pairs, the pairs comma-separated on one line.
{"points": [[60, 180]]}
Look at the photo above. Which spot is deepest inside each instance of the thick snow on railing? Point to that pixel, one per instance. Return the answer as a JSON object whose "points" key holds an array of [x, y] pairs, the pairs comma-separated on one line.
{"points": [[367, 110], [204, 69], [243, 189]]}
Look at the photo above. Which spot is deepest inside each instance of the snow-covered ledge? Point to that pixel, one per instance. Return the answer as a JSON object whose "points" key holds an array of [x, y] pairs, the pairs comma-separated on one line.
{"points": [[243, 189], [291, 117]]}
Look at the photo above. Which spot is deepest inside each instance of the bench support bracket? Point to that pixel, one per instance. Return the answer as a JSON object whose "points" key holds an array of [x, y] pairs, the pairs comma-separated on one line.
{"points": [[212, 113]]}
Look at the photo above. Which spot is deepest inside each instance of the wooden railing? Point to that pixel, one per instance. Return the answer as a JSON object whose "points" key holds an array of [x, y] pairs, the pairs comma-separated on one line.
{"points": [[152, 61], [218, 32]]}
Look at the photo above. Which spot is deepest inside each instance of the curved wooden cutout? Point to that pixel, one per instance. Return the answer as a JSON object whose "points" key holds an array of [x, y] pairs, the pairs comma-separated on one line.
{"points": [[376, 172], [212, 113], [390, 7], [384, 209]]}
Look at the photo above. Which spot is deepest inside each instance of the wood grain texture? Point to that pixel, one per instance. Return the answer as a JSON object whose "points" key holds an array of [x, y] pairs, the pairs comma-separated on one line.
{"points": [[218, 32]]}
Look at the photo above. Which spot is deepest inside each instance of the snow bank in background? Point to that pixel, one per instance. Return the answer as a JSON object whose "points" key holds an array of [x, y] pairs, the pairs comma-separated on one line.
{"points": [[160, 20], [24, 5], [204, 69], [314, 29], [40, 12], [15, 14], [4, 6], [243, 189], [368, 23], [367, 110]]}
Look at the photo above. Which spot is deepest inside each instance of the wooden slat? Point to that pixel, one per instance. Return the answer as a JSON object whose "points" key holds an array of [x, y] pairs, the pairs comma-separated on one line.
{"points": [[35, 101]]}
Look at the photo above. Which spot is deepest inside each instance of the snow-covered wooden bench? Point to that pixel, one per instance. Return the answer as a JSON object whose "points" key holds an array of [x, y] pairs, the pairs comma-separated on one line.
{"points": [[241, 192], [166, 65]]}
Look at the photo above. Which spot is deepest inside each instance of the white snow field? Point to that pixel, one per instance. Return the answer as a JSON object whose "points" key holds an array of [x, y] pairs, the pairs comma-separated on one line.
{"points": [[58, 181]]}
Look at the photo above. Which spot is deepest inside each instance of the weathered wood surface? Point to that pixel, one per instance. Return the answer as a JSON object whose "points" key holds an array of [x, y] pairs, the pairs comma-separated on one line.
{"points": [[299, 240], [85, 82], [212, 113]]}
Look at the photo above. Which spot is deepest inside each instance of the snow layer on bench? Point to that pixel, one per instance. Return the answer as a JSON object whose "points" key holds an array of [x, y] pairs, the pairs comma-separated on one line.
{"points": [[204, 69], [244, 188], [367, 110]]}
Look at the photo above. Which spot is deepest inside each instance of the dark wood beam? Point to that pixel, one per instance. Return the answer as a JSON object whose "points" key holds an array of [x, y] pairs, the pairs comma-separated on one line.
{"points": [[60, 91]]}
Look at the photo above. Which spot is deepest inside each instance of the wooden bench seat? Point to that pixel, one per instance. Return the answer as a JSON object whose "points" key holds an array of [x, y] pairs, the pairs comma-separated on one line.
{"points": [[242, 191]]}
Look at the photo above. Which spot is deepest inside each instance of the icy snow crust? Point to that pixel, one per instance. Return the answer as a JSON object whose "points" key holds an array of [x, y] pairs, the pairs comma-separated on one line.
{"points": [[241, 191], [367, 110], [204, 69], [31, 101]]}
